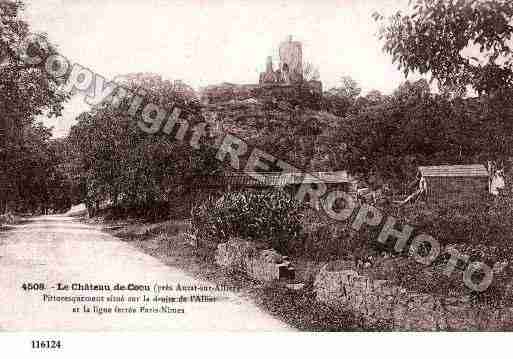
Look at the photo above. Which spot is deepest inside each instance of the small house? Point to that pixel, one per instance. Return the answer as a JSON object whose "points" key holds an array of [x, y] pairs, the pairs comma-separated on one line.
{"points": [[204, 186], [458, 183], [251, 180]]}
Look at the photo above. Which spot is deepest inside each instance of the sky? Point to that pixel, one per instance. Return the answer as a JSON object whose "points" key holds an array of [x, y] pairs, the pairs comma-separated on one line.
{"points": [[206, 42]]}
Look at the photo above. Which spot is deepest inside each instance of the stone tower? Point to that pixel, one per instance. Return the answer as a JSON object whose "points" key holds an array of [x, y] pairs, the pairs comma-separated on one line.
{"points": [[269, 76], [269, 64], [291, 60]]}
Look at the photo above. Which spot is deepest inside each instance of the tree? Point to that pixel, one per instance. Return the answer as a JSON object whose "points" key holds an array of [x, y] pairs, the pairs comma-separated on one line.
{"points": [[339, 100], [311, 72], [417, 89], [122, 164], [462, 45], [25, 91], [416, 127], [374, 97], [362, 103], [348, 88], [437, 35]]}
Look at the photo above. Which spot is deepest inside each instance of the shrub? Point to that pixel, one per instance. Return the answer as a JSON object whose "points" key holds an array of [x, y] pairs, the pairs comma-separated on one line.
{"points": [[328, 241], [272, 217], [7, 218]]}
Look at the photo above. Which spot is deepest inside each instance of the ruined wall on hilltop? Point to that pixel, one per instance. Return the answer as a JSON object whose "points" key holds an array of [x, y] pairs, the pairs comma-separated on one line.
{"points": [[298, 94]]}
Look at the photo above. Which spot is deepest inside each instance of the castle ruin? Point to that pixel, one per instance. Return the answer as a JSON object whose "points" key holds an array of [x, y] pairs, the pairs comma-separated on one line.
{"points": [[290, 69], [286, 79]]}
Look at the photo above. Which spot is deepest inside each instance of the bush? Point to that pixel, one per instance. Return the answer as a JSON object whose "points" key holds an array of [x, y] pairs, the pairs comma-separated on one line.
{"points": [[480, 230], [8, 218], [328, 240], [272, 217]]}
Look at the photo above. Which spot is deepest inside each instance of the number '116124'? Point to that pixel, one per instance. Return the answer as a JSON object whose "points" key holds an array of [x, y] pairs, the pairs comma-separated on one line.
{"points": [[46, 344]]}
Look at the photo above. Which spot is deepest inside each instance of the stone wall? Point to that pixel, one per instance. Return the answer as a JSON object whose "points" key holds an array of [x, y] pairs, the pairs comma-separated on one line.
{"points": [[260, 264], [380, 304]]}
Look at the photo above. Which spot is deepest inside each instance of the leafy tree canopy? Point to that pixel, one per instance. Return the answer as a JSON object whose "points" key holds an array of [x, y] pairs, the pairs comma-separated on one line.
{"points": [[26, 91], [436, 36]]}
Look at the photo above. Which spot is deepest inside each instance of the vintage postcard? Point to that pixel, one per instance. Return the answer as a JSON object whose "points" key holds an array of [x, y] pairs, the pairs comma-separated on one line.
{"points": [[332, 165]]}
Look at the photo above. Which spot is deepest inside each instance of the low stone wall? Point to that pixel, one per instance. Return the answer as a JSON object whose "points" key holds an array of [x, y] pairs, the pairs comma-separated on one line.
{"points": [[263, 265], [383, 305]]}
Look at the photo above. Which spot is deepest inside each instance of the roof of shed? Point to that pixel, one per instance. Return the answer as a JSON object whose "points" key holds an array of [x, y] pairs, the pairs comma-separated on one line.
{"points": [[454, 171], [273, 179]]}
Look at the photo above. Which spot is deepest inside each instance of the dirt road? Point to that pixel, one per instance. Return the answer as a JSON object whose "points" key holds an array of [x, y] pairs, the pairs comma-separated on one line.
{"points": [[58, 252]]}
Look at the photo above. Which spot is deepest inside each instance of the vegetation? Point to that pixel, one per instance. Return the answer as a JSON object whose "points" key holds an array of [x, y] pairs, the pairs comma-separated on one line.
{"points": [[465, 47], [414, 126], [380, 138], [273, 218], [437, 36], [119, 163], [30, 178]]}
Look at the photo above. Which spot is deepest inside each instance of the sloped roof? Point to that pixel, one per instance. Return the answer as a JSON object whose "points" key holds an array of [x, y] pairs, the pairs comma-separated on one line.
{"points": [[298, 178], [272, 179], [332, 177], [476, 170]]}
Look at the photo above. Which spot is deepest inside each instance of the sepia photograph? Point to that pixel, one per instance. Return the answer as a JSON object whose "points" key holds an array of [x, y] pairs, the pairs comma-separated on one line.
{"points": [[243, 166]]}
